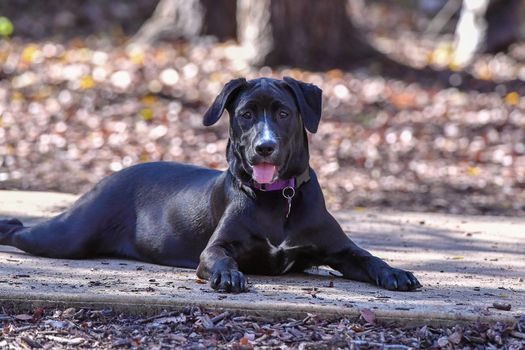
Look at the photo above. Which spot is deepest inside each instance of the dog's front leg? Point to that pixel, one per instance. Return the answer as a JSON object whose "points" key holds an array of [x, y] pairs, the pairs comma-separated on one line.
{"points": [[218, 260], [220, 268], [358, 264]]}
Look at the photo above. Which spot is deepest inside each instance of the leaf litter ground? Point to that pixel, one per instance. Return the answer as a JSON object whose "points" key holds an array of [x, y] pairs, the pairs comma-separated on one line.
{"points": [[72, 113], [198, 329]]}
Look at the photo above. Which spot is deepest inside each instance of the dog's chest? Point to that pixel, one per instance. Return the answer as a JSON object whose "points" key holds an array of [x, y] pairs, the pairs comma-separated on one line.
{"points": [[265, 258]]}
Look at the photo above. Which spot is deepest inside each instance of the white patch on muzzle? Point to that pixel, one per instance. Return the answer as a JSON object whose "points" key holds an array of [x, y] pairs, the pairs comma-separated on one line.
{"points": [[267, 133]]}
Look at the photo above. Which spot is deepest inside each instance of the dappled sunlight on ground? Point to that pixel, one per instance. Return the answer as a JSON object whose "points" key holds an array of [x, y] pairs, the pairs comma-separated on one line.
{"points": [[463, 267]]}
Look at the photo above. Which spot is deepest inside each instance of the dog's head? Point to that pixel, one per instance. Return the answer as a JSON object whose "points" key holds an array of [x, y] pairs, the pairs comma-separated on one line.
{"points": [[268, 123]]}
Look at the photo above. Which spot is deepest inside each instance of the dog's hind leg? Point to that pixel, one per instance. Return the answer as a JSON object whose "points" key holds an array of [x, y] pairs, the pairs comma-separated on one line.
{"points": [[54, 238], [87, 229], [8, 226]]}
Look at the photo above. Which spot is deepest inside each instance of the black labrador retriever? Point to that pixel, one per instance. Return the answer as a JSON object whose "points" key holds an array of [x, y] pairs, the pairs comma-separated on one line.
{"points": [[264, 215]]}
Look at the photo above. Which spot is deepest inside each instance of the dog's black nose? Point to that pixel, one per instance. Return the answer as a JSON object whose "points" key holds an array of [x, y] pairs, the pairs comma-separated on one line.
{"points": [[265, 148]]}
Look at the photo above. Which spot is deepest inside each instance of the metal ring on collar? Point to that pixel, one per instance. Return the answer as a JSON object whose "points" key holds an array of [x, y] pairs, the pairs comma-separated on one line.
{"points": [[288, 192]]}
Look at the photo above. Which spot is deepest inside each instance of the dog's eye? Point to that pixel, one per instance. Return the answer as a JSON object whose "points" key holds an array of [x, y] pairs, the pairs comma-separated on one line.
{"points": [[283, 114], [246, 115]]}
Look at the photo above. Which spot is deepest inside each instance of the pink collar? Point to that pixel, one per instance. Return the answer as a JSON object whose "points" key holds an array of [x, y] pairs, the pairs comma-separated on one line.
{"points": [[274, 186], [286, 186], [279, 185]]}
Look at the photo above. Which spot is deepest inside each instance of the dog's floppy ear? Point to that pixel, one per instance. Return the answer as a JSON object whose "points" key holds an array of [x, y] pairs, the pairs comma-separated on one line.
{"points": [[217, 108], [309, 99]]}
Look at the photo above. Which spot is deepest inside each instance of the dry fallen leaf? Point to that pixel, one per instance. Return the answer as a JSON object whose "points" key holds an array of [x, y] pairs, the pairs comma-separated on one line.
{"points": [[24, 317], [368, 315], [512, 98], [245, 343], [502, 306], [455, 337], [37, 314]]}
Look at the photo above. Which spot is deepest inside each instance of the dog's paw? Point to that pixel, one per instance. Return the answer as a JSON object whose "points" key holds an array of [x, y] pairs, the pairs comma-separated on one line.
{"points": [[397, 279], [232, 281]]}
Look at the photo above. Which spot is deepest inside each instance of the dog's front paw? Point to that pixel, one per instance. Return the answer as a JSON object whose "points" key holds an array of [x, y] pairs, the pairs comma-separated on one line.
{"points": [[397, 279], [228, 281]]}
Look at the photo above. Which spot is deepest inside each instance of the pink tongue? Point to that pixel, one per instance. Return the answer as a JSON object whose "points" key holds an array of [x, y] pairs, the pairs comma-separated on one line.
{"points": [[263, 173]]}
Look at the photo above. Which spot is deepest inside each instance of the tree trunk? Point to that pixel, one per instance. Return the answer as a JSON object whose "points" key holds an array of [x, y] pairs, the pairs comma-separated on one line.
{"points": [[308, 33], [487, 26], [470, 31], [503, 24], [189, 19], [219, 19]]}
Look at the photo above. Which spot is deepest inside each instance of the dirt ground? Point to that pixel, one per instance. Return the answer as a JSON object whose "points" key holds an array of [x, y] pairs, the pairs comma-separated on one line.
{"points": [[469, 266]]}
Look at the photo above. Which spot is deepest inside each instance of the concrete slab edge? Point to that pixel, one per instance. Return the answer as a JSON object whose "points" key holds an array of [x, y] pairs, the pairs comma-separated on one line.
{"points": [[147, 306]]}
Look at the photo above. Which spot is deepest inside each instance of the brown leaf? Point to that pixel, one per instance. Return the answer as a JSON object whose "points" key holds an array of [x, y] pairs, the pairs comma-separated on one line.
{"points": [[517, 334], [245, 342], [206, 321], [403, 100], [37, 314], [68, 313], [368, 315], [502, 306], [455, 337], [173, 319], [31, 342], [357, 327], [24, 317]]}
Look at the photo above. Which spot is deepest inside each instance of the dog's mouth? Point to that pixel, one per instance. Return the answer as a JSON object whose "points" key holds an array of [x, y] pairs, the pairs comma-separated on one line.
{"points": [[264, 173]]}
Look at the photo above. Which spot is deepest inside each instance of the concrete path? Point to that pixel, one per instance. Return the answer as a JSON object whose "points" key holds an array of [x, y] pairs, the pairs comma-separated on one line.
{"points": [[466, 264]]}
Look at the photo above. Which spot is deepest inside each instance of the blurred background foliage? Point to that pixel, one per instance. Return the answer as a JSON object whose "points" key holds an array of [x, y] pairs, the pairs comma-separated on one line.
{"points": [[423, 100]]}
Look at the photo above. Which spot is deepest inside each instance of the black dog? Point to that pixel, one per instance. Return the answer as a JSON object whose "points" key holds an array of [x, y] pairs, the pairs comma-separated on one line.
{"points": [[264, 215]]}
